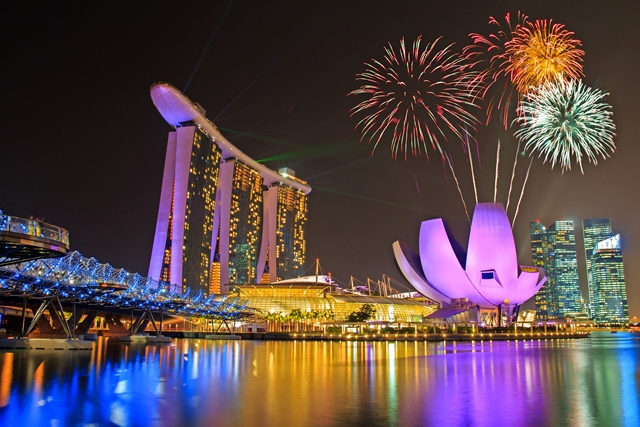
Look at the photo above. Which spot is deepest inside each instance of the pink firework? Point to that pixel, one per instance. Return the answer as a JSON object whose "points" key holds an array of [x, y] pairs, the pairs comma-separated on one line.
{"points": [[416, 97]]}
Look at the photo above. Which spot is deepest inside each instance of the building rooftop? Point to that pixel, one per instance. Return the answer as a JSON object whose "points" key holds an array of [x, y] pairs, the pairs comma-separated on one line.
{"points": [[178, 110]]}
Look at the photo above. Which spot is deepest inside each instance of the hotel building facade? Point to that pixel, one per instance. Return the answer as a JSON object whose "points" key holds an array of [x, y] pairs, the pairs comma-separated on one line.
{"points": [[223, 218]]}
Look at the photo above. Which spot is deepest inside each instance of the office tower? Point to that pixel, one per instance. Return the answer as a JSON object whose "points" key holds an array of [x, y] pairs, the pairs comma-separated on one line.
{"points": [[567, 286], [554, 249], [609, 285], [284, 244], [594, 230], [220, 210], [541, 256], [182, 244]]}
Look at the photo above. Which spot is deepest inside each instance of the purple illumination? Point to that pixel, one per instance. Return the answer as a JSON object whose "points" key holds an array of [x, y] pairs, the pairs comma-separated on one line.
{"points": [[488, 274], [177, 109]]}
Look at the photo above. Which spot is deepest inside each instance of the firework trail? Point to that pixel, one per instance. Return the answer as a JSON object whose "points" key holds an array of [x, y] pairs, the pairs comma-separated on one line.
{"points": [[524, 184], [448, 161], [513, 174], [565, 119], [541, 52], [416, 96], [473, 174], [495, 187], [488, 55]]}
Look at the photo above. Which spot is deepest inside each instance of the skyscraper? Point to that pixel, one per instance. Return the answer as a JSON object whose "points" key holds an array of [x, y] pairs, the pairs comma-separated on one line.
{"points": [[565, 269], [220, 210], [238, 222], [608, 281], [541, 256], [182, 243], [594, 230], [554, 249], [284, 248]]}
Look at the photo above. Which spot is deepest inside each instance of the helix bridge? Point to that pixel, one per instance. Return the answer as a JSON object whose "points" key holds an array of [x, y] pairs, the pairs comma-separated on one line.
{"points": [[36, 266]]}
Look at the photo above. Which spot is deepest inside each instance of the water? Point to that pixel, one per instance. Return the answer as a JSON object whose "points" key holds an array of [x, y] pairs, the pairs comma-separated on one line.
{"points": [[586, 382]]}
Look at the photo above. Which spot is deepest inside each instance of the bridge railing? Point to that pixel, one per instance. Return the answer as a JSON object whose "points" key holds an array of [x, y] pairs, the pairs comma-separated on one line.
{"points": [[34, 227], [88, 281]]}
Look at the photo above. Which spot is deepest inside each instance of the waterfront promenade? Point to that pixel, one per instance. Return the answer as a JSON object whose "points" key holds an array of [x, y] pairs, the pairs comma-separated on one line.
{"points": [[301, 336]]}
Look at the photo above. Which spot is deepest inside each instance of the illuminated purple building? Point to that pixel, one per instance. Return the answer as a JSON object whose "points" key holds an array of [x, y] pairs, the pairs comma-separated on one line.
{"points": [[487, 274], [223, 217]]}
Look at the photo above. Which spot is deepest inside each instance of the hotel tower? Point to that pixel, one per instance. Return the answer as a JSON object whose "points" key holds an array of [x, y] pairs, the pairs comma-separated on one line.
{"points": [[223, 218]]}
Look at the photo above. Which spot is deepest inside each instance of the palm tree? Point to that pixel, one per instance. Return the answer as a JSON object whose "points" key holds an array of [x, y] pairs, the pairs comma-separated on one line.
{"points": [[276, 319], [297, 315]]}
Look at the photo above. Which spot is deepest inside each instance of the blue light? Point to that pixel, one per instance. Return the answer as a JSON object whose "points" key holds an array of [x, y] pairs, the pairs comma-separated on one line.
{"points": [[139, 292]]}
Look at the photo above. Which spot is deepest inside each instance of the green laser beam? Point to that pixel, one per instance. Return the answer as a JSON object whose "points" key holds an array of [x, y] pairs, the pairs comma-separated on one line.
{"points": [[384, 202], [301, 152], [258, 137], [309, 153]]}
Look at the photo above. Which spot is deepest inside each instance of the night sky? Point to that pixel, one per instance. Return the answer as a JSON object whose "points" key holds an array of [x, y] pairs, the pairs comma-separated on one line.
{"points": [[83, 145]]}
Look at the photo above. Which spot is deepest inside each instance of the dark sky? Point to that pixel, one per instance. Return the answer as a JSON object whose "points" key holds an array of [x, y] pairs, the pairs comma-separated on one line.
{"points": [[83, 145]]}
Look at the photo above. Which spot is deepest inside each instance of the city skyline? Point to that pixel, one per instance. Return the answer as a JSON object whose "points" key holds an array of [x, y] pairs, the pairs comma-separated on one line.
{"points": [[85, 142], [554, 249]]}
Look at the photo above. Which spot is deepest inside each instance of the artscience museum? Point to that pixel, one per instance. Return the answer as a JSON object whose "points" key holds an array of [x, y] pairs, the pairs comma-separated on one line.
{"points": [[486, 276]]}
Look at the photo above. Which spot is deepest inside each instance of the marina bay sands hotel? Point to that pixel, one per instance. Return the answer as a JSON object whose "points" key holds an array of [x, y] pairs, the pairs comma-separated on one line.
{"points": [[223, 218]]}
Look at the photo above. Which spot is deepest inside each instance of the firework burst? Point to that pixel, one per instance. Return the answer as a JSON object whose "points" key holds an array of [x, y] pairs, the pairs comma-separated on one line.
{"points": [[416, 96], [488, 55], [540, 52], [564, 119]]}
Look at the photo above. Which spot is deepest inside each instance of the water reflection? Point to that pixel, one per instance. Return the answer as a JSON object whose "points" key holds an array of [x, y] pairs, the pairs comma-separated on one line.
{"points": [[202, 383]]}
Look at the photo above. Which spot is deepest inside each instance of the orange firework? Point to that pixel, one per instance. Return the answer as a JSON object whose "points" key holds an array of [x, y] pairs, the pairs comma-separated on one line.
{"points": [[543, 52]]}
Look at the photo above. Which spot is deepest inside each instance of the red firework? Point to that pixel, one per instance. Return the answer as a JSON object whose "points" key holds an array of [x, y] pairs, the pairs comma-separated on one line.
{"points": [[418, 97], [488, 56]]}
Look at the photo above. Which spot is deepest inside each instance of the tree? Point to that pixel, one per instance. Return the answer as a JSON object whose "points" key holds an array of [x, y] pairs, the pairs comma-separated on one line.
{"points": [[366, 312], [296, 315]]}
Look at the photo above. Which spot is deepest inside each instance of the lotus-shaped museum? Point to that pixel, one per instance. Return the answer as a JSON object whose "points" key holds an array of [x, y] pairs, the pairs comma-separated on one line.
{"points": [[487, 275]]}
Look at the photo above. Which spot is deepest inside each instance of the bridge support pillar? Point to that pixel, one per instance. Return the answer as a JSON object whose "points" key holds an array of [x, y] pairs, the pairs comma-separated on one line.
{"points": [[38, 320], [74, 320], [143, 325], [84, 326], [114, 324], [55, 318]]}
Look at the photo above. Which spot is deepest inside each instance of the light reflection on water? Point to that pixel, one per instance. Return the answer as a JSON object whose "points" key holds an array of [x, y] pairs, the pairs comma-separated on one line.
{"points": [[585, 382]]}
